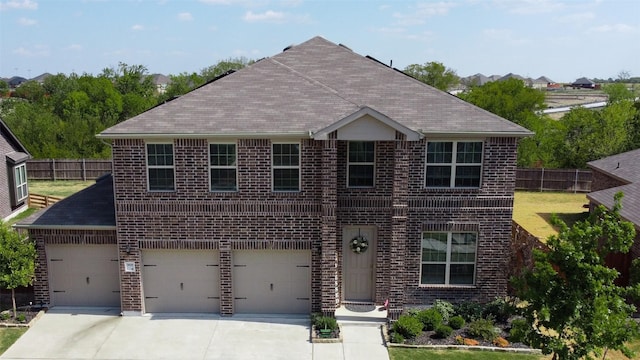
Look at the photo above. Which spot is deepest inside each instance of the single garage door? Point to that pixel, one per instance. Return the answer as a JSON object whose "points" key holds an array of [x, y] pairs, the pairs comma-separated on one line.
{"points": [[84, 275], [277, 282], [181, 281]]}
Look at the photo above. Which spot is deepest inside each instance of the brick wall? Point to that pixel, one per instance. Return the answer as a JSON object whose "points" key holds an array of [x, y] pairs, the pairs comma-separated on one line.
{"points": [[255, 217], [601, 181]]}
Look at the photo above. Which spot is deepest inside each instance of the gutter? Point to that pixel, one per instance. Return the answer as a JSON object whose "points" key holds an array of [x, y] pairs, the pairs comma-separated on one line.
{"points": [[65, 227]]}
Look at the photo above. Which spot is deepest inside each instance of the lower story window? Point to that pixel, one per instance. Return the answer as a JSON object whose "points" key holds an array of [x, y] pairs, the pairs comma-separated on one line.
{"points": [[448, 258]]}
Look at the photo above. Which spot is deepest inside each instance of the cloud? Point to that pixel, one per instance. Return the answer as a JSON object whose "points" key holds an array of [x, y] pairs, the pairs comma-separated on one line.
{"points": [[530, 7], [17, 4], [419, 14], [185, 16], [222, 2], [615, 28], [577, 18], [27, 22], [274, 17], [35, 51], [74, 47], [137, 27]]}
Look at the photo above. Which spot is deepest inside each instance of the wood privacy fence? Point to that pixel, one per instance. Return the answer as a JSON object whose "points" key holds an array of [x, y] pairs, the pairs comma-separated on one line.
{"points": [[541, 179], [42, 201], [67, 169]]}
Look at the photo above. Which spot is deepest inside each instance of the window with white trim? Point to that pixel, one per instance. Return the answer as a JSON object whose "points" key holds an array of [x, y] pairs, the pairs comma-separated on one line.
{"points": [[448, 258], [20, 182], [286, 167], [160, 168], [361, 164], [453, 164], [223, 167]]}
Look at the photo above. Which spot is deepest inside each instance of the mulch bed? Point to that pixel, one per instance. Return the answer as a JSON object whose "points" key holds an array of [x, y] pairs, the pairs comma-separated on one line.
{"points": [[28, 316], [429, 338]]}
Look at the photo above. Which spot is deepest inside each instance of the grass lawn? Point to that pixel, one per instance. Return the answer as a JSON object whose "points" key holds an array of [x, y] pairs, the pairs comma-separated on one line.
{"points": [[532, 210], [61, 188], [8, 336], [426, 354]]}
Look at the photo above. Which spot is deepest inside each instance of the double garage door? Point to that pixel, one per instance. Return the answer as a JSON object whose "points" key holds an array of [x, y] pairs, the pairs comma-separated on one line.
{"points": [[83, 275], [262, 281]]}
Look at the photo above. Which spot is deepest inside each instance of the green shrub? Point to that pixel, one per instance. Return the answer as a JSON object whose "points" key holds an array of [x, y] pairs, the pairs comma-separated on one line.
{"points": [[469, 310], [443, 331], [456, 322], [500, 309], [407, 326], [430, 319], [519, 330], [396, 338], [21, 318], [5, 316], [445, 309], [482, 329], [325, 322]]}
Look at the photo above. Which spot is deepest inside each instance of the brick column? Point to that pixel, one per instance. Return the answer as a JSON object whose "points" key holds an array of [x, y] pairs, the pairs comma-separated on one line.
{"points": [[226, 281], [398, 227], [131, 301], [329, 256], [41, 281]]}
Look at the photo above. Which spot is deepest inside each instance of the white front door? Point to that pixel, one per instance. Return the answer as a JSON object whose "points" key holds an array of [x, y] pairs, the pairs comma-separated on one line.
{"points": [[359, 263]]}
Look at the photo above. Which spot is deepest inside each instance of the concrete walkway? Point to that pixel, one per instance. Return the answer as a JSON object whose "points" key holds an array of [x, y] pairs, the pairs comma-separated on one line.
{"points": [[101, 334]]}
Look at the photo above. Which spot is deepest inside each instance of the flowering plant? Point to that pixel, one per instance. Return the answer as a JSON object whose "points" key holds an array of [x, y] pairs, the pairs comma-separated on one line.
{"points": [[359, 244]]}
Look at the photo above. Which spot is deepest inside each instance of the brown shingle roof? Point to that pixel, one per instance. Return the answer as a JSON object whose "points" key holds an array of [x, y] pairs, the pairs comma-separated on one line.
{"points": [[625, 167], [307, 88]]}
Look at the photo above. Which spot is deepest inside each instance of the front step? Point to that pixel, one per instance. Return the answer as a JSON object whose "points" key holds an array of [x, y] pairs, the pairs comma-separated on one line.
{"points": [[375, 317]]}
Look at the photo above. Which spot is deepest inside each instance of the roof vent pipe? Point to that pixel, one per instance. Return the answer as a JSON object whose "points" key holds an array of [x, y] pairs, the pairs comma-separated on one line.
{"points": [[287, 48]]}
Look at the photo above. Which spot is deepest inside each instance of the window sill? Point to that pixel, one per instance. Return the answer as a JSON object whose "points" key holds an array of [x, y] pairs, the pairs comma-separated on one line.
{"points": [[444, 286]]}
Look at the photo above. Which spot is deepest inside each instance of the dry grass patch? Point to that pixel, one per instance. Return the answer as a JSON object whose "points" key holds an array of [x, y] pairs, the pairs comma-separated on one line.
{"points": [[61, 188], [532, 210]]}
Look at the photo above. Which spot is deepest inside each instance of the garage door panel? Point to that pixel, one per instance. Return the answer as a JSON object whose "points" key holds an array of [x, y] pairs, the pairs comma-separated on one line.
{"points": [[84, 275], [272, 281], [181, 281]]}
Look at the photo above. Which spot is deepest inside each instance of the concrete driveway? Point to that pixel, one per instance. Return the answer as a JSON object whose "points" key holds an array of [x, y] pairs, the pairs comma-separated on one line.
{"points": [[82, 334]]}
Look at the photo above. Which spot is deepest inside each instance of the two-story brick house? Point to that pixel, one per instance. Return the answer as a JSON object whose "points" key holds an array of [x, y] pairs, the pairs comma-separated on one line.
{"points": [[14, 191], [307, 180]]}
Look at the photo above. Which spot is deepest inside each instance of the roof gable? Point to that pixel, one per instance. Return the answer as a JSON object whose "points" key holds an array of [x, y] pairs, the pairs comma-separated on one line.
{"points": [[306, 89], [366, 124]]}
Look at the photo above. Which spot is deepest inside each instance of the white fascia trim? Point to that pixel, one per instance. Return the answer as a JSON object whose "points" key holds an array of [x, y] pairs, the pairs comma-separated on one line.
{"points": [[476, 134], [234, 135]]}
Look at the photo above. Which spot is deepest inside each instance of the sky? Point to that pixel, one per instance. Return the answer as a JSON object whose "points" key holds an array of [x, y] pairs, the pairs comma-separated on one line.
{"points": [[563, 40]]}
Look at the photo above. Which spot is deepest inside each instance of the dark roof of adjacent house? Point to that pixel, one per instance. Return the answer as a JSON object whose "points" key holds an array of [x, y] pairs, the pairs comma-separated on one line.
{"points": [[91, 208], [583, 81], [20, 154], [626, 168], [308, 88]]}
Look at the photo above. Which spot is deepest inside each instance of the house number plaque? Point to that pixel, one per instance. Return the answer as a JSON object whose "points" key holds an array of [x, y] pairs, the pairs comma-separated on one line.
{"points": [[129, 266]]}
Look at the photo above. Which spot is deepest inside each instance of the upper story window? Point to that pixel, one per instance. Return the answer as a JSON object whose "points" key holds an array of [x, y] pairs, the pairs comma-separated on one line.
{"points": [[20, 182], [160, 168], [286, 167], [448, 258], [454, 164], [223, 167], [361, 164]]}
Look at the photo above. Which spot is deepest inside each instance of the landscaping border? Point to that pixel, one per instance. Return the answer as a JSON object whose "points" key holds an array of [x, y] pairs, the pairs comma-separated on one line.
{"points": [[318, 340], [385, 335], [29, 324]]}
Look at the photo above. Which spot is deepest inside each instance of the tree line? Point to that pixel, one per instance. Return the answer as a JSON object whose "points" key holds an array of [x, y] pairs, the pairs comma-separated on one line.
{"points": [[60, 117]]}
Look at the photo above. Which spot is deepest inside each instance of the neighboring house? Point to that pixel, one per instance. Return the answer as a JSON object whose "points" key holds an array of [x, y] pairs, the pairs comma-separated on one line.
{"points": [[307, 180], [161, 82], [14, 191], [527, 82], [583, 83], [544, 83], [619, 173]]}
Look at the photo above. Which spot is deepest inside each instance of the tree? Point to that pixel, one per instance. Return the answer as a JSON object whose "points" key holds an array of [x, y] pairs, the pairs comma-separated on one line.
{"points": [[17, 261], [572, 303], [434, 74], [618, 92], [223, 66]]}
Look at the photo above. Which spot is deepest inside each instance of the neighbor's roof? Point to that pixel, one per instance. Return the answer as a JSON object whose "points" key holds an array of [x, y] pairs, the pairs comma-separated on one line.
{"points": [[91, 208], [20, 152], [626, 168], [305, 89]]}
